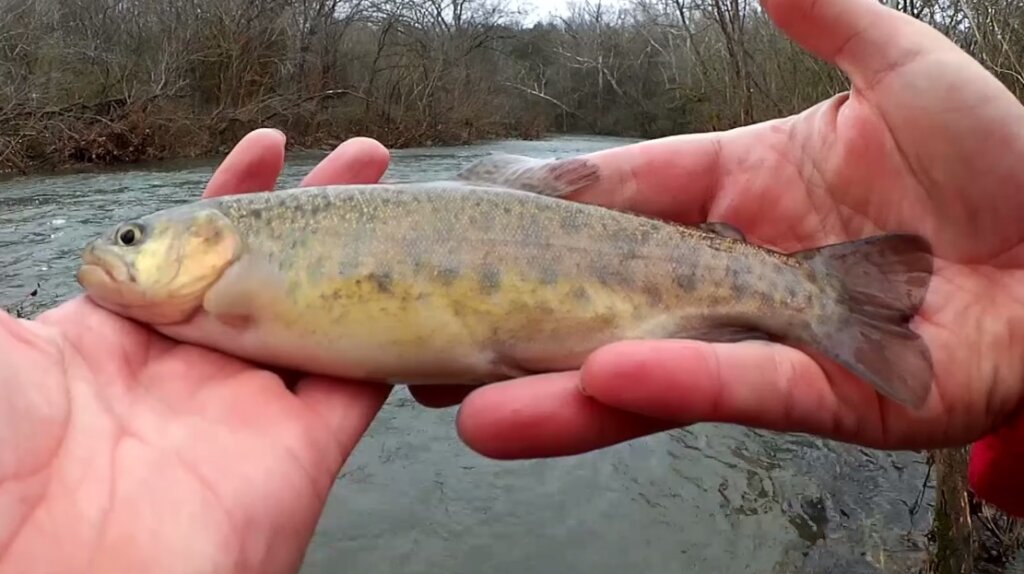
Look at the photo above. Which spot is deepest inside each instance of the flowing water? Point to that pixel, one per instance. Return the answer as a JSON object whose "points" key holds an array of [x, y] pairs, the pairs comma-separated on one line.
{"points": [[414, 499]]}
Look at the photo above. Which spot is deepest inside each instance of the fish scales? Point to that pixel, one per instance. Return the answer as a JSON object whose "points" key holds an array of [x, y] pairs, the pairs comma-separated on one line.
{"points": [[479, 280], [430, 238], [499, 271]]}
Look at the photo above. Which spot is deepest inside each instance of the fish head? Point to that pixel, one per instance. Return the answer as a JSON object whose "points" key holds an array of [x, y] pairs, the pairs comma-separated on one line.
{"points": [[158, 268]]}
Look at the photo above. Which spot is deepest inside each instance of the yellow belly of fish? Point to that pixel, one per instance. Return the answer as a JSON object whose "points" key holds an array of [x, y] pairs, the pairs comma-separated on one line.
{"points": [[429, 331]]}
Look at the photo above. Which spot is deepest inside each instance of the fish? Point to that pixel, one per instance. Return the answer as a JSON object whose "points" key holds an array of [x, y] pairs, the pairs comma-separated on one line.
{"points": [[496, 274]]}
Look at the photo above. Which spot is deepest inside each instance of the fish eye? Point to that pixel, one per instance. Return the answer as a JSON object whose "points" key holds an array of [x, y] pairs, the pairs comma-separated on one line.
{"points": [[129, 235]]}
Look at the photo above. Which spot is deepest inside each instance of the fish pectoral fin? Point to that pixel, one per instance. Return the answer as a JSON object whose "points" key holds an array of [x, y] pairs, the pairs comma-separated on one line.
{"points": [[723, 334], [723, 229], [551, 177]]}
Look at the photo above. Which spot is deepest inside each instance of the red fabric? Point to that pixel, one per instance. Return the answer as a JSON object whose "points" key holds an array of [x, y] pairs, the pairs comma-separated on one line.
{"points": [[995, 470]]}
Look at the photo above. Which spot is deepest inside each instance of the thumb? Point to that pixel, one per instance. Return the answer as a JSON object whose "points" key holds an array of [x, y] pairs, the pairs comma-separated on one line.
{"points": [[865, 38]]}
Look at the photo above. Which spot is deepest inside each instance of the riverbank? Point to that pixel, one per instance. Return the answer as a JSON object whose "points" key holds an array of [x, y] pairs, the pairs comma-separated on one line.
{"points": [[58, 141]]}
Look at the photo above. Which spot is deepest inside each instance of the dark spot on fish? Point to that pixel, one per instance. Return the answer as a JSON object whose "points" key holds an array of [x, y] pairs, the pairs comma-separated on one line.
{"points": [[382, 280], [610, 276], [742, 285], [532, 227], [544, 310], [686, 278], [791, 292], [571, 220], [580, 294], [633, 241], [734, 271], [653, 294], [348, 264], [485, 216], [548, 275], [309, 210], [743, 278], [490, 279], [417, 265], [447, 275], [630, 249]]}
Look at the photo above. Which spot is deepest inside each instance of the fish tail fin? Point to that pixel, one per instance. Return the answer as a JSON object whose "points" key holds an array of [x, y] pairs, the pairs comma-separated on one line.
{"points": [[883, 281]]}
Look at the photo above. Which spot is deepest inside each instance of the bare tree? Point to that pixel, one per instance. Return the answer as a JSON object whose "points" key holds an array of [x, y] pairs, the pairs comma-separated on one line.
{"points": [[112, 81]]}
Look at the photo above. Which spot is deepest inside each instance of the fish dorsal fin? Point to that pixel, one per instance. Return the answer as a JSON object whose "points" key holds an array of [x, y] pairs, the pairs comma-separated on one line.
{"points": [[723, 229], [553, 177]]}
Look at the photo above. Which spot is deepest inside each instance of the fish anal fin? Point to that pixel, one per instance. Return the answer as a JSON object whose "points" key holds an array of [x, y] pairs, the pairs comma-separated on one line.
{"points": [[551, 177], [723, 229], [712, 333]]}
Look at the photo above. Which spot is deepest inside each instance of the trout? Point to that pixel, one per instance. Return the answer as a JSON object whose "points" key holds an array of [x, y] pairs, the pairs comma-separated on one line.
{"points": [[493, 275]]}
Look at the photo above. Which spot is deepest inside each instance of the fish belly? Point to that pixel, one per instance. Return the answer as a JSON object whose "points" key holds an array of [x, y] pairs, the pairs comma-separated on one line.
{"points": [[422, 328]]}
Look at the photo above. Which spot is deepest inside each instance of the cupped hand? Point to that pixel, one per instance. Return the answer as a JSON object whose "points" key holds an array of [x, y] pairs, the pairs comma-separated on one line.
{"points": [[126, 452], [926, 141]]}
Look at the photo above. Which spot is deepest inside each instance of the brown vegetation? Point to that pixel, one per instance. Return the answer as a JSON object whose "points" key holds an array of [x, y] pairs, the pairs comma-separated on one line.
{"points": [[112, 81], [969, 536]]}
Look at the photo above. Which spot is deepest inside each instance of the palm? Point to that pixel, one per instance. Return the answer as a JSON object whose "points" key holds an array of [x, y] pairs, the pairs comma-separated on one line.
{"points": [[133, 447], [160, 430], [838, 175], [926, 142]]}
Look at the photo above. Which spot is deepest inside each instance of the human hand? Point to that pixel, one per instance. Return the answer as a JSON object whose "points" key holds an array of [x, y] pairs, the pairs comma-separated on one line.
{"points": [[927, 141], [127, 452]]}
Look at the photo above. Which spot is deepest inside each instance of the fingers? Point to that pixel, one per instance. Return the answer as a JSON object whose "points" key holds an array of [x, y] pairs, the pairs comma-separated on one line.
{"points": [[252, 165], [671, 178], [866, 39], [356, 161], [752, 383], [545, 416], [630, 389], [345, 408], [256, 162]]}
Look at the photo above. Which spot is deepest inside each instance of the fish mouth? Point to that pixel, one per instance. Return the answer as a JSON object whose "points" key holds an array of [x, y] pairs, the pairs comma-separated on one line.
{"points": [[102, 264]]}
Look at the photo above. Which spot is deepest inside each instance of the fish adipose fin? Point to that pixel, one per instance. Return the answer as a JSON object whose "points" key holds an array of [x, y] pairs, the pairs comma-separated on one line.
{"points": [[723, 229], [552, 177], [885, 279]]}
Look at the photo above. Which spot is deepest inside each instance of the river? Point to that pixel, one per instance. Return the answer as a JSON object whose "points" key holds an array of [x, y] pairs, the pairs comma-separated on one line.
{"points": [[414, 499]]}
